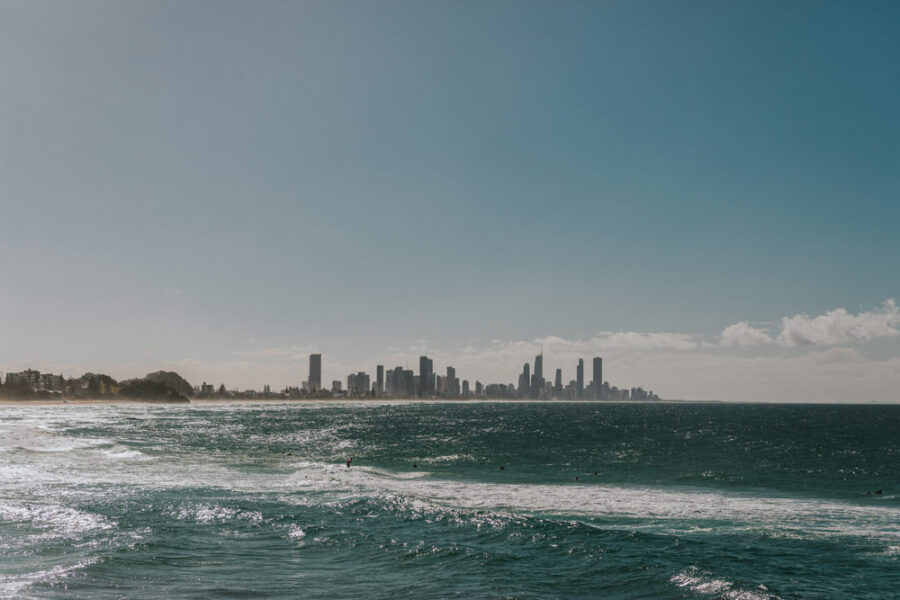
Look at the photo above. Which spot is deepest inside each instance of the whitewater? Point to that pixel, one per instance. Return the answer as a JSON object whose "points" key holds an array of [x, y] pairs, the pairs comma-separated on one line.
{"points": [[474, 500]]}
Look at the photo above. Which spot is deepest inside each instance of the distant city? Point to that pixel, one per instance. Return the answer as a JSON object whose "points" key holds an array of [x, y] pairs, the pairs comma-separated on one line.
{"points": [[404, 383], [398, 382]]}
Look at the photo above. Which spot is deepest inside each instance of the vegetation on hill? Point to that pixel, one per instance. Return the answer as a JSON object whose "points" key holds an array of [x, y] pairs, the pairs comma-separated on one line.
{"points": [[146, 389], [173, 380]]}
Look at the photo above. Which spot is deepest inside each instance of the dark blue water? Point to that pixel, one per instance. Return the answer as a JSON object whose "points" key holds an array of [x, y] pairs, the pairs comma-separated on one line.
{"points": [[592, 500]]}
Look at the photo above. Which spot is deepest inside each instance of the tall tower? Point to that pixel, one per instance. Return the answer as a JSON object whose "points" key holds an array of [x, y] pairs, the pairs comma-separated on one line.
{"points": [[426, 375], [379, 380], [579, 378], [557, 383], [525, 381], [452, 383], [314, 383], [537, 380], [597, 383]]}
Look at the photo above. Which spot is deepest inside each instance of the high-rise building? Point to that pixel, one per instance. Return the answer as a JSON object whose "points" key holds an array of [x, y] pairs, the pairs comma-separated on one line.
{"points": [[525, 381], [426, 375], [597, 383], [557, 383], [396, 378], [314, 383], [379, 379], [451, 383], [465, 388], [579, 378], [537, 380], [409, 382], [362, 383]]}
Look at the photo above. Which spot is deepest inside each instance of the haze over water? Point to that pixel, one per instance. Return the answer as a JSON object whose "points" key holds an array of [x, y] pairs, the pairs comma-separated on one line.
{"points": [[240, 500]]}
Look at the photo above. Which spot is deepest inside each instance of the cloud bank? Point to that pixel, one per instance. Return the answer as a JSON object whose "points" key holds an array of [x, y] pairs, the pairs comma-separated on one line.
{"points": [[840, 327], [743, 334], [834, 327]]}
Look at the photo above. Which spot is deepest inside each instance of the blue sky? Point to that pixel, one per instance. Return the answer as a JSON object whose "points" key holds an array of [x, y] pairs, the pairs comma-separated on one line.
{"points": [[221, 187]]}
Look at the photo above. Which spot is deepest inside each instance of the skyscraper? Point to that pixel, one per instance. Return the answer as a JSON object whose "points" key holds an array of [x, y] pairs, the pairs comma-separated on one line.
{"points": [[579, 378], [525, 381], [557, 383], [426, 375], [398, 382], [597, 383], [379, 380], [537, 380], [451, 383], [314, 383]]}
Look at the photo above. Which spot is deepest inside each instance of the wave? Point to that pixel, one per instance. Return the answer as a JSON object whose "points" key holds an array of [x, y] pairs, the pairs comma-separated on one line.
{"points": [[124, 452], [13, 585], [703, 584], [663, 510], [206, 513], [54, 520]]}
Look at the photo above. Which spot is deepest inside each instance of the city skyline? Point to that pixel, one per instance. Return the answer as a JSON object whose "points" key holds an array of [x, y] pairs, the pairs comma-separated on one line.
{"points": [[398, 382], [726, 367]]}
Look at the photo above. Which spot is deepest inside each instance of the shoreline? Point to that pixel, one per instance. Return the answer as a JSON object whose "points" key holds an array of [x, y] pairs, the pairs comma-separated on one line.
{"points": [[205, 401], [10, 402]]}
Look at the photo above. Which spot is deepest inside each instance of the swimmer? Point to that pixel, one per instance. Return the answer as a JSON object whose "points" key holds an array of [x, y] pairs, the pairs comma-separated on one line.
{"points": [[349, 460], [502, 467], [415, 466]]}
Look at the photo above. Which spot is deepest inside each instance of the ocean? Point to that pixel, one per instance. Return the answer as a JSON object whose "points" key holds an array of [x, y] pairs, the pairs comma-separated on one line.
{"points": [[450, 500]]}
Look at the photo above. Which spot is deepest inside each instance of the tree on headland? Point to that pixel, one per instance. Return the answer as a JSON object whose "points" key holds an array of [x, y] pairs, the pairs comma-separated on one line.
{"points": [[173, 380], [147, 389], [98, 384]]}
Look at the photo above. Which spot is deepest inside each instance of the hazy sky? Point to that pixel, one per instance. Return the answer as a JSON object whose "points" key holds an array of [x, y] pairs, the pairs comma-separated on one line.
{"points": [[220, 187]]}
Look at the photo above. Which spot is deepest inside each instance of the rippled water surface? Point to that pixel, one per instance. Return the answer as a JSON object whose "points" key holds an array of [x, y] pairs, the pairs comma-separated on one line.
{"points": [[552, 500]]}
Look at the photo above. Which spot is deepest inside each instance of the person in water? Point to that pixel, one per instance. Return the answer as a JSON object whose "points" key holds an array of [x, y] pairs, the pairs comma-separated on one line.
{"points": [[349, 460]]}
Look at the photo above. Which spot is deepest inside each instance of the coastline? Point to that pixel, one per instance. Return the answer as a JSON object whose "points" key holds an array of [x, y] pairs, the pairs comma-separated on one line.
{"points": [[8, 402], [323, 401]]}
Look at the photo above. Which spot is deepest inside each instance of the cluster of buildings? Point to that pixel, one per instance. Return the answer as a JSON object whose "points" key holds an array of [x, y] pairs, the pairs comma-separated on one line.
{"points": [[31, 381], [401, 382]]}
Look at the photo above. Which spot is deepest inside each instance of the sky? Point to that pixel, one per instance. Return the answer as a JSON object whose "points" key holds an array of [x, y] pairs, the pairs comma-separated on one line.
{"points": [[703, 193]]}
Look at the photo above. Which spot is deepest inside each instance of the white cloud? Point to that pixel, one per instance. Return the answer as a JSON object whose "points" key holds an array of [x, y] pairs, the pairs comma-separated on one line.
{"points": [[743, 334], [840, 327]]}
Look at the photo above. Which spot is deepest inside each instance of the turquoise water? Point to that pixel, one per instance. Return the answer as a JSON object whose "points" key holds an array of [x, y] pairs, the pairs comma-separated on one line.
{"points": [[593, 501]]}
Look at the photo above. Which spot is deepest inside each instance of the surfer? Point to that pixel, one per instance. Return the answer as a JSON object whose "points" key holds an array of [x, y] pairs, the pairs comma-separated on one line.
{"points": [[349, 460]]}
